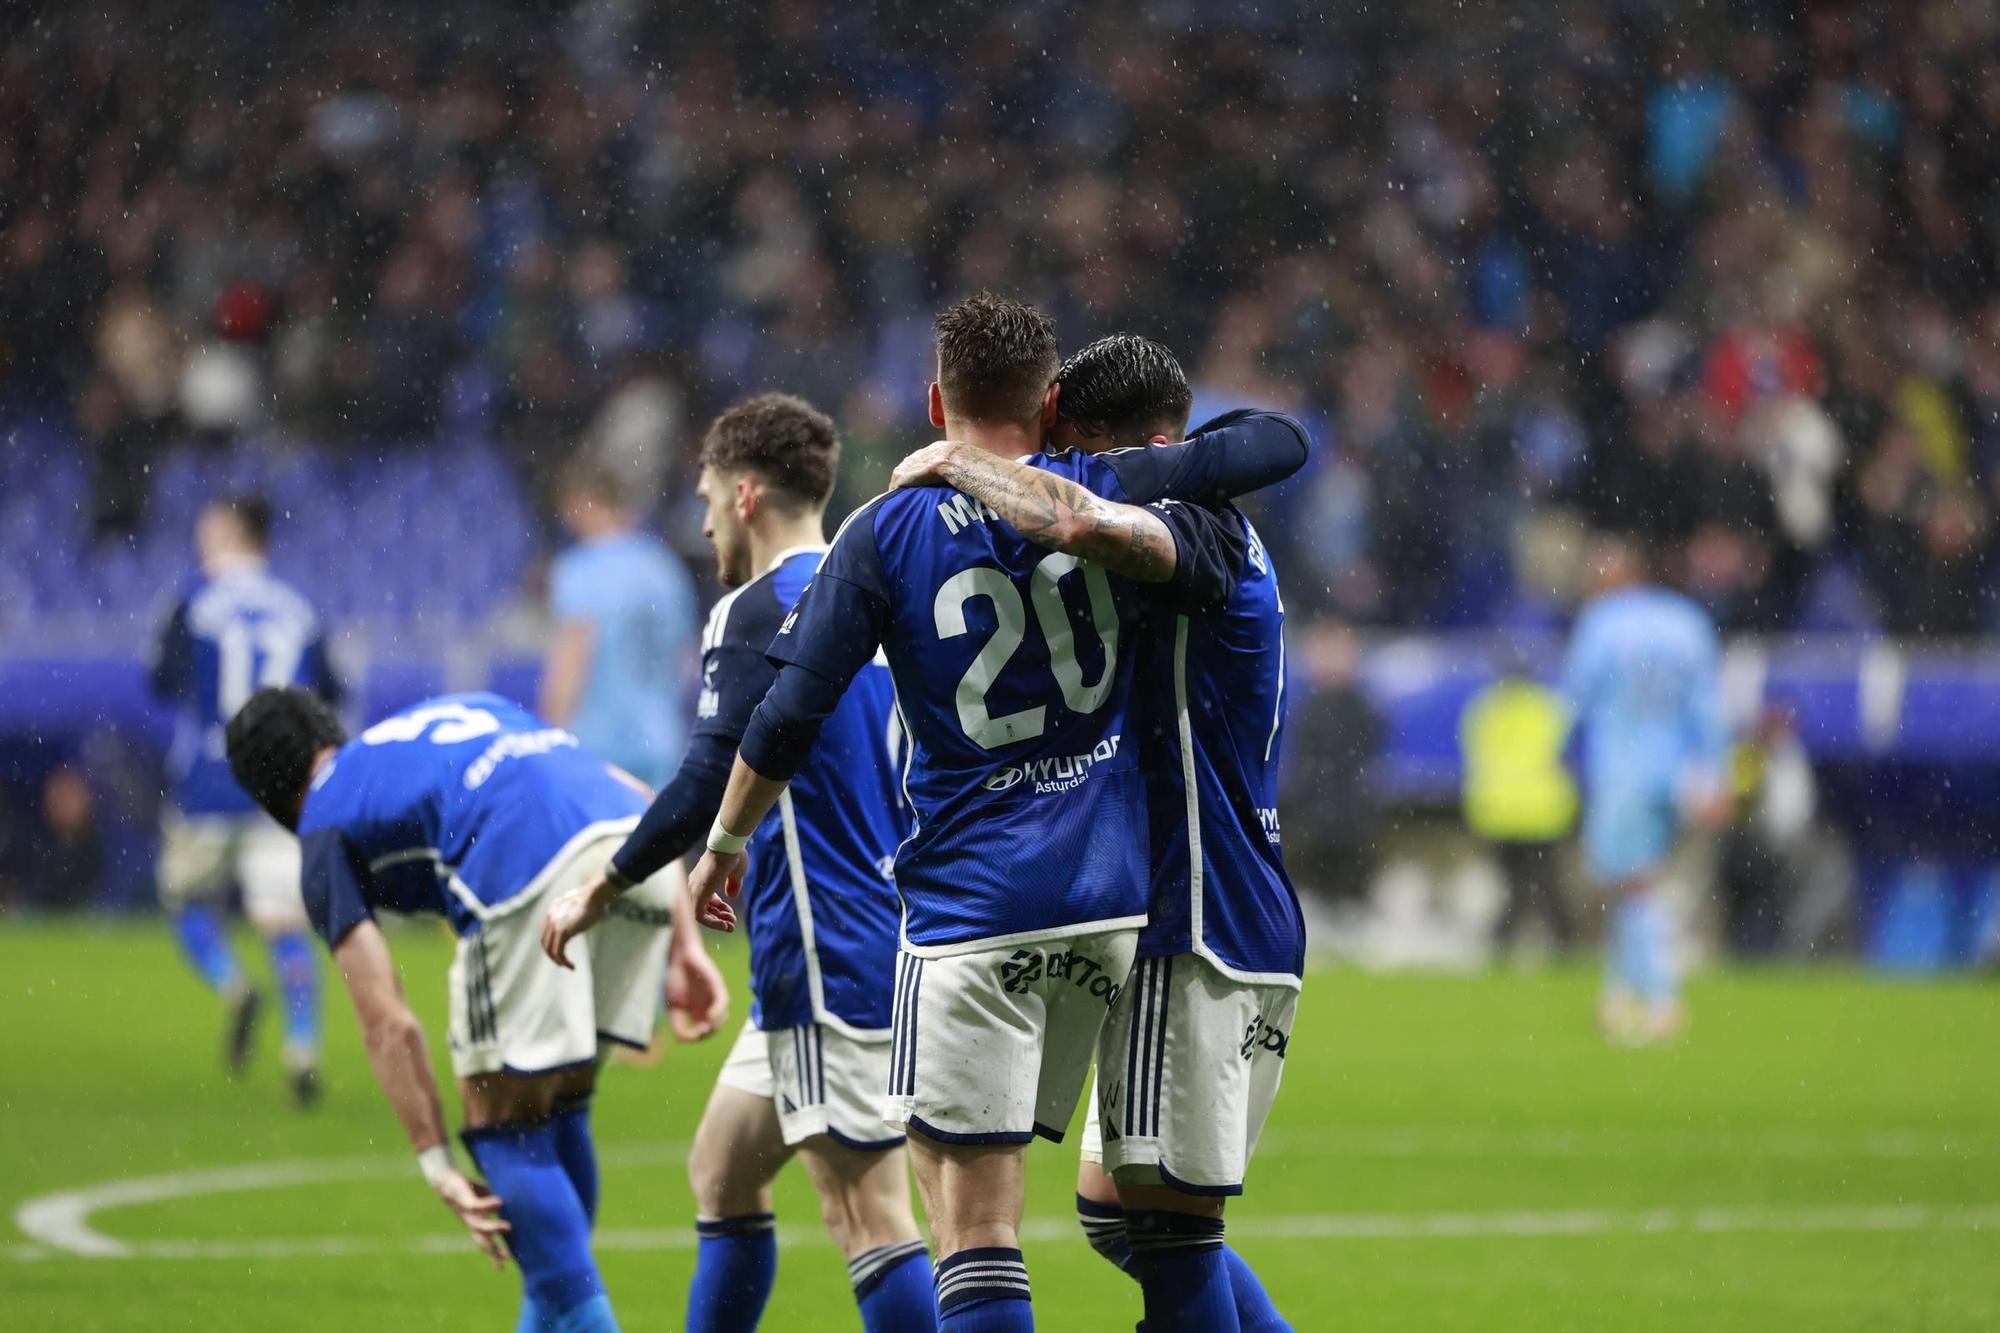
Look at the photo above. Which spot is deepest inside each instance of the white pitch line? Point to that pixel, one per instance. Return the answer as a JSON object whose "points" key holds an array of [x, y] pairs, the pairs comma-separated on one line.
{"points": [[1511, 1225], [1887, 1144], [60, 1223]]}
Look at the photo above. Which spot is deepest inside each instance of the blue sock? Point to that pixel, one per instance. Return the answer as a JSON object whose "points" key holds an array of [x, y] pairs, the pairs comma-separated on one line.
{"points": [[1184, 1271], [551, 1234], [592, 1316], [984, 1291], [577, 1153], [735, 1264], [293, 960], [1104, 1227], [894, 1288], [534, 1319], [1253, 1307], [205, 941]]}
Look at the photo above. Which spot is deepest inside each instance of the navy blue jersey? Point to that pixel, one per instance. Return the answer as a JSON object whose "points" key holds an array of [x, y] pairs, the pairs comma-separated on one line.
{"points": [[1212, 693], [1013, 670], [226, 638], [819, 897], [458, 806]]}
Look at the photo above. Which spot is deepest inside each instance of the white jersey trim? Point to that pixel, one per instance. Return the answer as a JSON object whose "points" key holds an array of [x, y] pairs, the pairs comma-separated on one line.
{"points": [[795, 862], [1197, 873], [589, 833], [981, 945], [1189, 787]]}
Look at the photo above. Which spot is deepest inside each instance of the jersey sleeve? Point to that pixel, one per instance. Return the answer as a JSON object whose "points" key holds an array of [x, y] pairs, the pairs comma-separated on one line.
{"points": [[316, 673], [331, 882], [735, 676], [172, 673], [1231, 456], [1708, 727], [841, 619], [1210, 550]]}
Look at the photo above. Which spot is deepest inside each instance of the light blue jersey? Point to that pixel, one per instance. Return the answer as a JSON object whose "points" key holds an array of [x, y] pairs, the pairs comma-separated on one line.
{"points": [[639, 602], [1642, 682], [227, 637], [456, 807]]}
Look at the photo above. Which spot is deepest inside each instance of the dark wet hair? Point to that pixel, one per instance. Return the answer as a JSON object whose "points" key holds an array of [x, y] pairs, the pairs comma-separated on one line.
{"points": [[1126, 387], [272, 741], [785, 440], [996, 358], [252, 513]]}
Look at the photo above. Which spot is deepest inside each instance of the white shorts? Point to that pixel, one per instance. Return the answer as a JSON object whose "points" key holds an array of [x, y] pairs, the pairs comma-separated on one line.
{"points": [[513, 1010], [201, 855], [820, 1080], [1186, 1074], [995, 1046]]}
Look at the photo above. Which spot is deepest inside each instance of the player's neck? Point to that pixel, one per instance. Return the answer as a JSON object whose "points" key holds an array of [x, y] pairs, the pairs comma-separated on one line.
{"points": [[1005, 439], [232, 561], [769, 541]]}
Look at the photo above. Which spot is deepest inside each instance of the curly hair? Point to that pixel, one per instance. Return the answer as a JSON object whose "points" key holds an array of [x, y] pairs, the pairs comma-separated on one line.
{"points": [[785, 440]]}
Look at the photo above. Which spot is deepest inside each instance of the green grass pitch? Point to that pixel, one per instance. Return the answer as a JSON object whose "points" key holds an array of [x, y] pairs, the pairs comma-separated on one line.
{"points": [[1822, 1153]]}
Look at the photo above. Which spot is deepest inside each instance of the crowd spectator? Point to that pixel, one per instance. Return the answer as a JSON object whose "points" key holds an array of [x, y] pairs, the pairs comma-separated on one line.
{"points": [[1727, 275]]}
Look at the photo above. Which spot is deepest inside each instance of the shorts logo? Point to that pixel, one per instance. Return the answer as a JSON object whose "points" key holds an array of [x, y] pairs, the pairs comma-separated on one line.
{"points": [[1260, 1035], [1028, 966], [1060, 773]]}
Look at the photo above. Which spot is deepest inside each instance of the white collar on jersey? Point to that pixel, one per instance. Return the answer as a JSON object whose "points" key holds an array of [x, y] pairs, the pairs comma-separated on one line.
{"points": [[790, 551]]}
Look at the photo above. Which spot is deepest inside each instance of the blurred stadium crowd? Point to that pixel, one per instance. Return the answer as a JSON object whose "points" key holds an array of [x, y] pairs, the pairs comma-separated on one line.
{"points": [[1722, 273], [1725, 275]]}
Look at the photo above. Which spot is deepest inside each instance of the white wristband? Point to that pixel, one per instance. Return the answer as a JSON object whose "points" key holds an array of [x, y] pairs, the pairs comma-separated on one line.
{"points": [[436, 1164], [724, 843]]}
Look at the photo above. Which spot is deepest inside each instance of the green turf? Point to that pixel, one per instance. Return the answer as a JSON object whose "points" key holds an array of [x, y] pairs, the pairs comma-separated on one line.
{"points": [[1815, 1099]]}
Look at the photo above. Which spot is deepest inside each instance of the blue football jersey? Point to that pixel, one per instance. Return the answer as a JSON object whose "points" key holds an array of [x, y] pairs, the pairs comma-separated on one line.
{"points": [[225, 639], [1212, 696], [1013, 668], [457, 806], [819, 897]]}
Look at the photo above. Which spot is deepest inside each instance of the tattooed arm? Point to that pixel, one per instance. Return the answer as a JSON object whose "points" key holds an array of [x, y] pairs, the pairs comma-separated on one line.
{"points": [[1049, 510]]}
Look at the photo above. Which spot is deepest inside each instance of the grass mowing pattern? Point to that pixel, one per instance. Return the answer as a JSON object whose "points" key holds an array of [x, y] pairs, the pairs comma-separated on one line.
{"points": [[1451, 1104]]}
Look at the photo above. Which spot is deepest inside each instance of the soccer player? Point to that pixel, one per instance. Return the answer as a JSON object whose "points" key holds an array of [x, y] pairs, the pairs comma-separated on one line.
{"points": [[1024, 884], [807, 1074], [624, 609], [1641, 680], [471, 808], [237, 628], [1191, 1056]]}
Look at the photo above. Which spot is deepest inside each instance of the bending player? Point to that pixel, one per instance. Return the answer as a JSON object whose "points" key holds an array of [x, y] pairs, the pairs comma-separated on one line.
{"points": [[1024, 885], [471, 808], [807, 1073], [1192, 1053], [236, 629], [1642, 681]]}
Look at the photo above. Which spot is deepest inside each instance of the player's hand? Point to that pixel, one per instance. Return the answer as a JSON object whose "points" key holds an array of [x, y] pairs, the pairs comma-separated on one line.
{"points": [[928, 466], [716, 878], [479, 1208], [697, 996], [573, 913]]}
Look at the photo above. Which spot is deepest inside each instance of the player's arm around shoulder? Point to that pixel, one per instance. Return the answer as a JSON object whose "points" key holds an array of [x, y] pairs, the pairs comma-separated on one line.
{"points": [[1049, 510]]}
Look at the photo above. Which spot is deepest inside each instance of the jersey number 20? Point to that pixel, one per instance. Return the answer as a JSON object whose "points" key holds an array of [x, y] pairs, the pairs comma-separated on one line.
{"points": [[982, 728]]}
